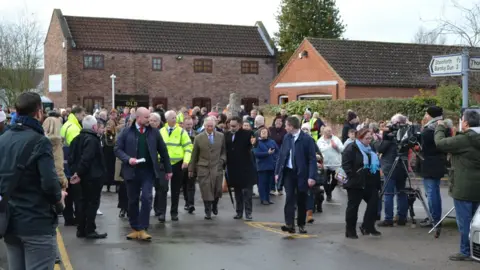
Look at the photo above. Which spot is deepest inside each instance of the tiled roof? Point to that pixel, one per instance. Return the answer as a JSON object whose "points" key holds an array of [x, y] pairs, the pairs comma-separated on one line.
{"points": [[166, 37], [368, 63]]}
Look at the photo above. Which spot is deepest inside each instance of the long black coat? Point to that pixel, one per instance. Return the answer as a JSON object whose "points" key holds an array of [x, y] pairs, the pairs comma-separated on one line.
{"points": [[240, 168]]}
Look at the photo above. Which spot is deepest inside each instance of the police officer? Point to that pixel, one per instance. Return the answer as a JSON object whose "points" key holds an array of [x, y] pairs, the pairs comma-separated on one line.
{"points": [[180, 149]]}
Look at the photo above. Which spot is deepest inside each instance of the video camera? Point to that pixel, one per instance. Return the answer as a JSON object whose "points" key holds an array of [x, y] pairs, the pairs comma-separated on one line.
{"points": [[406, 136]]}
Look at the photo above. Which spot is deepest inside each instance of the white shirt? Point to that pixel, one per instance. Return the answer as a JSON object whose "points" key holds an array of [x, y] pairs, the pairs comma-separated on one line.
{"points": [[295, 137]]}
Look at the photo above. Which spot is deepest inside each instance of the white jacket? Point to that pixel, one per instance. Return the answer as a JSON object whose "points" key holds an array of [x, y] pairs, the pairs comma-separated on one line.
{"points": [[331, 157]]}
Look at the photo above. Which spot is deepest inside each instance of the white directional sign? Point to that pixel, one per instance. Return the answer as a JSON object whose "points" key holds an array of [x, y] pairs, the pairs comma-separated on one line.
{"points": [[446, 65], [474, 63]]}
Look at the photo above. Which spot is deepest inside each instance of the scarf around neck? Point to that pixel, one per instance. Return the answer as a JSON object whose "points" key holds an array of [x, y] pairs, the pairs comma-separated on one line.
{"points": [[433, 123], [374, 163], [31, 123]]}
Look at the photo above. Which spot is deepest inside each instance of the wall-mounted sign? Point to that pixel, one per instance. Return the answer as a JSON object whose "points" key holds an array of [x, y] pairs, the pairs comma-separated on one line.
{"points": [[55, 83]]}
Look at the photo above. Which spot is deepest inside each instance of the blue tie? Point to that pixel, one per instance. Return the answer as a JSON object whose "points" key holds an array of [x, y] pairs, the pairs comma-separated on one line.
{"points": [[210, 138]]}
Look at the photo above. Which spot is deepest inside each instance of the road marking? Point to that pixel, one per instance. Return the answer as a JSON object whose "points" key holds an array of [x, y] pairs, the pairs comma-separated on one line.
{"points": [[67, 265], [265, 226], [57, 267]]}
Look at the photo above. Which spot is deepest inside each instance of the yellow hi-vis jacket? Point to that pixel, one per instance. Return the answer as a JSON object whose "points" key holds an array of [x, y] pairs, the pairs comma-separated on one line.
{"points": [[70, 129], [180, 117], [178, 143], [312, 125]]}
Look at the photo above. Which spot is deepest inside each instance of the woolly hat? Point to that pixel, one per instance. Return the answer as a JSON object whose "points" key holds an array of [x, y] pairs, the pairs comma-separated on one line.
{"points": [[435, 111]]}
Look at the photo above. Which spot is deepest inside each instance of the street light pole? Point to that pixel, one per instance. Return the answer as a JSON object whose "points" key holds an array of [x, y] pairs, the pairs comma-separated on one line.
{"points": [[113, 77]]}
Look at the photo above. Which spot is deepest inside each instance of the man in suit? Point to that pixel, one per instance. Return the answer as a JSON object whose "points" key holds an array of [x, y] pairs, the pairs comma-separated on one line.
{"points": [[241, 173], [207, 164], [188, 184], [296, 168], [138, 147]]}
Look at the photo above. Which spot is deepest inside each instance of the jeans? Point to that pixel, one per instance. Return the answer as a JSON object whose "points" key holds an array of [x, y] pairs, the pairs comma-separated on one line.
{"points": [[395, 187], [294, 197], [465, 211], [142, 183], [31, 252], [264, 181], [432, 190]]}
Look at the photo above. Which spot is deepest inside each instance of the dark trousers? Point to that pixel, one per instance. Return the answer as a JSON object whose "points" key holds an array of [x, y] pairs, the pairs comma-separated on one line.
{"points": [[355, 197], [188, 186], [264, 185], [91, 190], [330, 182], [72, 203], [243, 200], [294, 197], [140, 188], [162, 191], [122, 196]]}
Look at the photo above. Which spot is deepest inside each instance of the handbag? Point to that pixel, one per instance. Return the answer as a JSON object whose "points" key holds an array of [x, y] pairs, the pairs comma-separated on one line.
{"points": [[22, 162], [341, 176]]}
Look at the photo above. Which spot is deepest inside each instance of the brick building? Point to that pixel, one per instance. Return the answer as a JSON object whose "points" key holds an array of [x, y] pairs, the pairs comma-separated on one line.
{"points": [[346, 69], [176, 64]]}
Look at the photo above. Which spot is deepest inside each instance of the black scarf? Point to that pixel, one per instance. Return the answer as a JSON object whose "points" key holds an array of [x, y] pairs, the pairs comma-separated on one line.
{"points": [[31, 123]]}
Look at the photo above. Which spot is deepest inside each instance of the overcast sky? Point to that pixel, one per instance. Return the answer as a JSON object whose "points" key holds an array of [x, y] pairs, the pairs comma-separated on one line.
{"points": [[380, 20]]}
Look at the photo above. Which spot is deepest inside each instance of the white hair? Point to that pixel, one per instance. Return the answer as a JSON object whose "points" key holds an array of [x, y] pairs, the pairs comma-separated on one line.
{"points": [[208, 119], [170, 113], [245, 118], [259, 120], [156, 116], [88, 122], [316, 115], [399, 118], [102, 113], [308, 112]]}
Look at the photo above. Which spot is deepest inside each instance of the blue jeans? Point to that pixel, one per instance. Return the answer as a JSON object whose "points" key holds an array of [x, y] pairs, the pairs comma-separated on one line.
{"points": [[31, 252], [141, 184], [264, 181], [432, 190], [465, 211], [392, 188]]}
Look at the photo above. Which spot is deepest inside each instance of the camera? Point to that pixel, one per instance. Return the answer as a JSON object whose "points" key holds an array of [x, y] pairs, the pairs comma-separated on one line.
{"points": [[406, 136]]}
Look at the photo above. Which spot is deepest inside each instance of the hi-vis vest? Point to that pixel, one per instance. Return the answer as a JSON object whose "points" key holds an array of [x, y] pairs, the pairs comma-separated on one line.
{"points": [[178, 143], [312, 125]]}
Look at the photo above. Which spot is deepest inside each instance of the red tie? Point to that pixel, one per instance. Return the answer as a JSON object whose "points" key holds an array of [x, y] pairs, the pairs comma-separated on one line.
{"points": [[141, 130]]}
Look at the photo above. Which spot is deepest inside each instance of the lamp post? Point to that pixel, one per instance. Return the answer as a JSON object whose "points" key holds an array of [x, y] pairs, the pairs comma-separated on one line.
{"points": [[113, 77]]}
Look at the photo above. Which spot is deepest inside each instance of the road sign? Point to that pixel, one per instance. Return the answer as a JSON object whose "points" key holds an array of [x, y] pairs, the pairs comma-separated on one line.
{"points": [[446, 65], [475, 63]]}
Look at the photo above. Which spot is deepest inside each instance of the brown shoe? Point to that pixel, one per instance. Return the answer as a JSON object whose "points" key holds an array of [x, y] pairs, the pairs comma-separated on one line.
{"points": [[143, 235], [133, 235], [310, 216]]}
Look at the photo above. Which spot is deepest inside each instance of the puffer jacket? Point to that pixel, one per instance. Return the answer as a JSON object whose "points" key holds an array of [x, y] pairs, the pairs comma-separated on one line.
{"points": [[465, 171]]}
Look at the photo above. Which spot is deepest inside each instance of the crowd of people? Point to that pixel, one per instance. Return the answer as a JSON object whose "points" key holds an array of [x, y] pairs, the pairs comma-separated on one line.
{"points": [[141, 150]]}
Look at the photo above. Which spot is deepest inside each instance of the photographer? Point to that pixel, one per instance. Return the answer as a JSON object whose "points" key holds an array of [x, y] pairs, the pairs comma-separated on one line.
{"points": [[465, 176], [432, 168], [388, 147]]}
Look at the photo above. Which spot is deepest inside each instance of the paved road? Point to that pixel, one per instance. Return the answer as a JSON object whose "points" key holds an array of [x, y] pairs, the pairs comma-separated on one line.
{"points": [[224, 243]]}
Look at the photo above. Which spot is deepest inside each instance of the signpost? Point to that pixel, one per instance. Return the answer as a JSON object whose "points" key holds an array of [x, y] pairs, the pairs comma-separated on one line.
{"points": [[455, 65]]}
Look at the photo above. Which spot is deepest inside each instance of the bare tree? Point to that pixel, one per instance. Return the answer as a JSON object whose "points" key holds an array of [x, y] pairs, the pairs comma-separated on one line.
{"points": [[20, 55], [466, 31], [424, 36]]}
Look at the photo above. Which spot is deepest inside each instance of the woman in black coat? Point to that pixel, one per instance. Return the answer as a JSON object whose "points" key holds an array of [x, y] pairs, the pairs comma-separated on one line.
{"points": [[362, 168]]}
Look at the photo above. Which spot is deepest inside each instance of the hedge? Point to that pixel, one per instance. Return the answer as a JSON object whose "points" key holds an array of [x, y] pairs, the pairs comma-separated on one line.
{"points": [[377, 109]]}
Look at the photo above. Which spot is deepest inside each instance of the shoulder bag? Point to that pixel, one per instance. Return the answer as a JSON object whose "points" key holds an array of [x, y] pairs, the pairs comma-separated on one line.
{"points": [[22, 163]]}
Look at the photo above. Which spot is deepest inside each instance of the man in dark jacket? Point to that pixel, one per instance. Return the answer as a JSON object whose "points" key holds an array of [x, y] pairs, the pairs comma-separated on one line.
{"points": [[87, 164], [31, 237], [241, 174], [138, 147], [465, 176], [188, 184], [296, 168], [350, 123], [433, 167]]}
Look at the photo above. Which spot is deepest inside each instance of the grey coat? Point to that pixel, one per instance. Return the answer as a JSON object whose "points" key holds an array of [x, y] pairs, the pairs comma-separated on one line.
{"points": [[208, 163]]}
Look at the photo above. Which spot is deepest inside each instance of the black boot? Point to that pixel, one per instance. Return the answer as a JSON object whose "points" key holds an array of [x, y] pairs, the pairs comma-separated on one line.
{"points": [[208, 209], [215, 206], [351, 232]]}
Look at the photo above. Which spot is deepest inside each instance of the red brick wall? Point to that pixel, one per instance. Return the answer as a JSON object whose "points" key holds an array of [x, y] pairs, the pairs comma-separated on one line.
{"points": [[380, 92], [176, 81], [55, 61], [308, 69]]}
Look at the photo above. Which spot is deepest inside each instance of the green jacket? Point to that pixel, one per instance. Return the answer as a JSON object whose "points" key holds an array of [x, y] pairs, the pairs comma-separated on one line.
{"points": [[70, 129], [465, 173]]}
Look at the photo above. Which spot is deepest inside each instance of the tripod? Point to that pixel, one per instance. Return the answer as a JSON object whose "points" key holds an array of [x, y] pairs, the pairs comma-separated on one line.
{"points": [[412, 193]]}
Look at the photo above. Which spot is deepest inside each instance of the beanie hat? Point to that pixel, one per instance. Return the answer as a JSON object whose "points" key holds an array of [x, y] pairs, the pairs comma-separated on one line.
{"points": [[435, 111], [350, 116]]}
